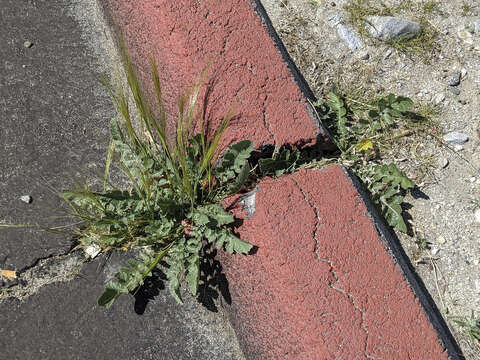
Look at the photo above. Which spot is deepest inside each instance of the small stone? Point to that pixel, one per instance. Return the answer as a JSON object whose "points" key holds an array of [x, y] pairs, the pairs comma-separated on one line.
{"points": [[476, 262], [463, 72], [441, 240], [387, 54], [439, 98], [455, 138], [477, 285], [434, 250], [27, 44], [350, 37], [443, 162], [473, 179], [363, 55], [454, 79], [26, 199], [476, 26], [458, 147], [477, 216], [454, 90], [92, 251], [466, 36], [392, 28]]}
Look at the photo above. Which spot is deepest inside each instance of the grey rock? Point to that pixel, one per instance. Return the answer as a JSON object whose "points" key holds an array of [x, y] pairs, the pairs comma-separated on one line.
{"points": [[26, 199], [347, 34], [454, 90], [476, 26], [455, 138], [350, 37], [392, 28], [454, 79]]}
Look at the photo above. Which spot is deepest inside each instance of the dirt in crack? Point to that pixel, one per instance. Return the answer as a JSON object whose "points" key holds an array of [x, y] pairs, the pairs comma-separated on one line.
{"points": [[44, 271]]}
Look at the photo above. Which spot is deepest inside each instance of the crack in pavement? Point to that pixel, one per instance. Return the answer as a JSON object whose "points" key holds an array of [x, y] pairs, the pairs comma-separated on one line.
{"points": [[332, 271], [44, 271], [265, 121]]}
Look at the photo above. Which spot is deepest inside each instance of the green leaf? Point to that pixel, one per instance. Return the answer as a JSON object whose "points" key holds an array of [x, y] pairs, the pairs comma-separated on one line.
{"points": [[174, 287], [402, 104], [240, 180], [232, 243], [108, 297], [193, 273], [215, 214], [234, 160]]}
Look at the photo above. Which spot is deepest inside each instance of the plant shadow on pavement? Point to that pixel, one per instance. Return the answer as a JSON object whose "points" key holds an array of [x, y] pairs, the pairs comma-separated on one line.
{"points": [[212, 284]]}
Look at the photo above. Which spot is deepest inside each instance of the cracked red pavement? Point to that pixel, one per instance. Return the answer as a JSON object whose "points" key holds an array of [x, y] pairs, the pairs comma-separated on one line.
{"points": [[322, 284], [247, 70]]}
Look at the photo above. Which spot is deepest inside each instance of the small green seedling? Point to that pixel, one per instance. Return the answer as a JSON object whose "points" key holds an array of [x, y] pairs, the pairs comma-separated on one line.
{"points": [[471, 326]]}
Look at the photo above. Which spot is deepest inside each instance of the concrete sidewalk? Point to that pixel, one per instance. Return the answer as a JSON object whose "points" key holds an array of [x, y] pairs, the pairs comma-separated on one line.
{"points": [[55, 114]]}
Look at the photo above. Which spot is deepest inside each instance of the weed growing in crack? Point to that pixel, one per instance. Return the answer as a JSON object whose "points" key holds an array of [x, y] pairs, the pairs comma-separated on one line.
{"points": [[171, 211]]}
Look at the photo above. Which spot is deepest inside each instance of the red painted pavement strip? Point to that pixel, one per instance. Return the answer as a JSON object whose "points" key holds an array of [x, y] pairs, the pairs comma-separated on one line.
{"points": [[247, 68], [321, 285]]}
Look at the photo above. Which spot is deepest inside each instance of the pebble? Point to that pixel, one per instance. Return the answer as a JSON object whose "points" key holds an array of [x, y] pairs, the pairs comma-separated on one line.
{"points": [[392, 28], [477, 216], [435, 250], [26, 199], [454, 79], [458, 147], [463, 72], [27, 44], [443, 162], [439, 98], [455, 138], [350, 37], [454, 90], [363, 55], [92, 251], [388, 53], [466, 36], [441, 240], [476, 26]]}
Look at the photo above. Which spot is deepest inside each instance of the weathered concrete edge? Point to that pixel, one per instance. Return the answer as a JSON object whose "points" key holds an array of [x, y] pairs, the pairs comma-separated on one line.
{"points": [[395, 250], [296, 74]]}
